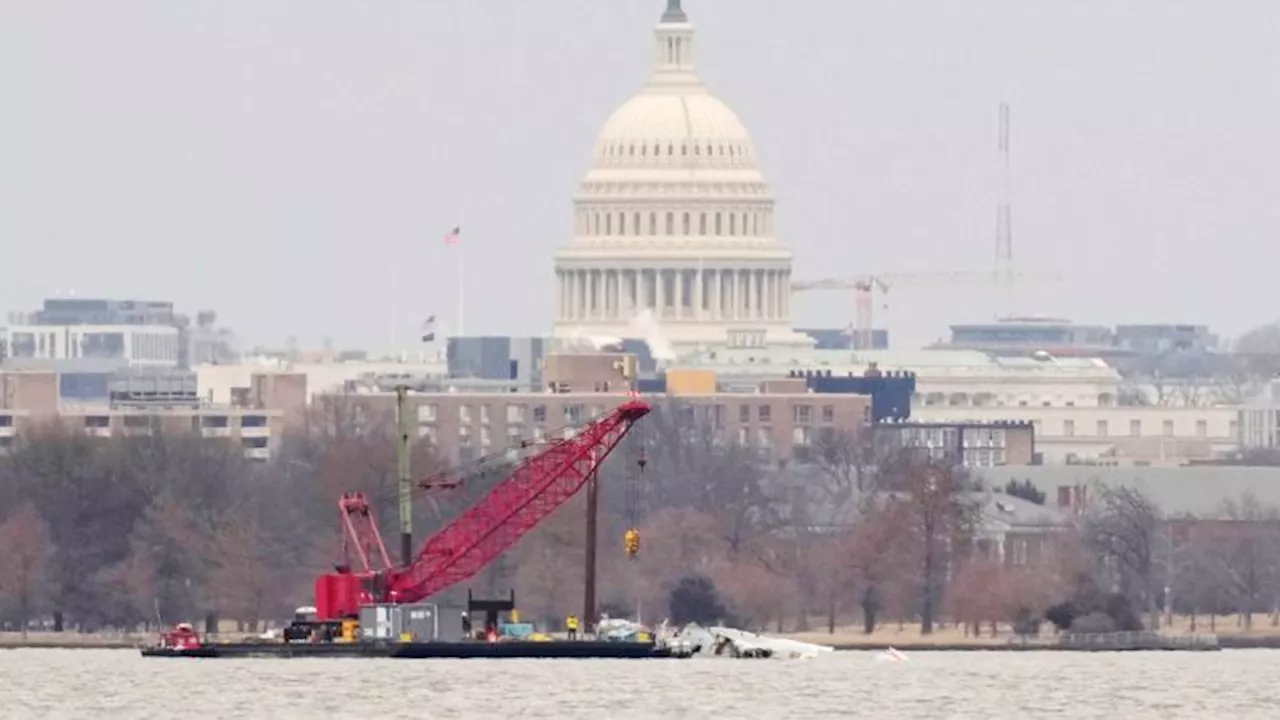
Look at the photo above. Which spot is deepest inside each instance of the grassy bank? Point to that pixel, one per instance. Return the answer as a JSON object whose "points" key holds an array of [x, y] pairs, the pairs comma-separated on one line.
{"points": [[103, 641], [71, 640], [908, 635]]}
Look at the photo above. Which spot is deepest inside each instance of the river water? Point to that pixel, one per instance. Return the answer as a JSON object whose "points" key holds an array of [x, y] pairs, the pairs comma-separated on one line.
{"points": [[99, 684]]}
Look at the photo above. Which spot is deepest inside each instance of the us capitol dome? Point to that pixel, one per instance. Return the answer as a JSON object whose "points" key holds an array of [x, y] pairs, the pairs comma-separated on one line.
{"points": [[674, 222]]}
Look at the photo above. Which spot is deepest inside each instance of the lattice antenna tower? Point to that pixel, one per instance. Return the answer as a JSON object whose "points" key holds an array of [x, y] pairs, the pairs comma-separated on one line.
{"points": [[1004, 221]]}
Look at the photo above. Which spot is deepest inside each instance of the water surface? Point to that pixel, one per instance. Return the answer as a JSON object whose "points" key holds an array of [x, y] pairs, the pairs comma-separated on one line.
{"points": [[100, 684]]}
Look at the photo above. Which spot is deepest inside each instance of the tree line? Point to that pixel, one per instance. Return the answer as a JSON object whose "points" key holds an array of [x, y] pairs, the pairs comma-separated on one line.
{"points": [[138, 531]]}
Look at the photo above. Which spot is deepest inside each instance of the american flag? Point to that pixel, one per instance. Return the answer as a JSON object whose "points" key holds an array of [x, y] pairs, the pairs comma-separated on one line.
{"points": [[453, 236], [429, 329]]}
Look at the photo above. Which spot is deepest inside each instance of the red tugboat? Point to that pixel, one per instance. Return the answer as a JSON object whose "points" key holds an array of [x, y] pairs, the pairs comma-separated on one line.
{"points": [[181, 641]]}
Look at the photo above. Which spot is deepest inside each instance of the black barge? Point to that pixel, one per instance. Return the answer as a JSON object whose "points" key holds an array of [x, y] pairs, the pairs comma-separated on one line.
{"points": [[555, 649]]}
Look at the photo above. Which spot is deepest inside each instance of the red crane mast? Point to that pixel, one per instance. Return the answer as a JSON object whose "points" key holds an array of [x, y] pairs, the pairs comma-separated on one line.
{"points": [[539, 484]]}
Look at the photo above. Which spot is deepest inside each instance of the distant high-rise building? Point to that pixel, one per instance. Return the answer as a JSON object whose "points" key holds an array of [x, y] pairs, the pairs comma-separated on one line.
{"points": [[518, 360], [138, 334], [87, 311]]}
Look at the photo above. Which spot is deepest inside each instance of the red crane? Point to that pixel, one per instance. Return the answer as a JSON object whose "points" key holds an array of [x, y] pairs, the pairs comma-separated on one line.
{"points": [[539, 484]]}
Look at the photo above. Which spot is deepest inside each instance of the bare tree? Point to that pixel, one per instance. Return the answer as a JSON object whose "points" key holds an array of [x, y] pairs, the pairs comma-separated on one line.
{"points": [[1125, 533], [161, 578], [756, 595], [241, 571], [939, 518], [1195, 587], [691, 463], [25, 540], [1241, 375], [876, 551], [1261, 340], [978, 594], [1240, 552], [848, 465]]}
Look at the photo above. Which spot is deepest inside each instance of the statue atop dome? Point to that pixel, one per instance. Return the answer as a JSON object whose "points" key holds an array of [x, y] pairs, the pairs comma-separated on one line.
{"points": [[674, 13]]}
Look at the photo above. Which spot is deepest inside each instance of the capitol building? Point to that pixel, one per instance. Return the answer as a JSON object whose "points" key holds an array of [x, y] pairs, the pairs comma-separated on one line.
{"points": [[674, 222], [675, 243]]}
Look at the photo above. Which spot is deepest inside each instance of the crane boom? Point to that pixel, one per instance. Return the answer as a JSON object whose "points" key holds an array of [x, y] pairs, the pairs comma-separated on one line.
{"points": [[538, 485], [863, 286]]}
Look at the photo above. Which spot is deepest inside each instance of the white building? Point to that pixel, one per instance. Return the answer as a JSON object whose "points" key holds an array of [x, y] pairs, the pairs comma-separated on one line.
{"points": [[944, 378], [1119, 435], [1260, 420], [1071, 402], [145, 346], [217, 382], [674, 222]]}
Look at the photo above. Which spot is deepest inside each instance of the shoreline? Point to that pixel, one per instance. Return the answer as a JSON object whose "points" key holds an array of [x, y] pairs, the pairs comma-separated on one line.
{"points": [[1224, 643], [841, 641]]}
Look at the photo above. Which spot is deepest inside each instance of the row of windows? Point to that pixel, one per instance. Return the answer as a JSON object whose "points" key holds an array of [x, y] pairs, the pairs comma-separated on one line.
{"points": [[734, 152], [760, 438], [1019, 548], [972, 457], [520, 414], [45, 345], [988, 399], [212, 422], [720, 223], [800, 414], [1102, 428], [951, 437], [145, 346], [256, 448], [153, 346], [677, 48], [1261, 428]]}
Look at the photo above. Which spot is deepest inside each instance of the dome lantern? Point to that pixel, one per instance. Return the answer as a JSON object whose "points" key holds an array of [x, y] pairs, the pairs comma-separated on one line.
{"points": [[673, 56], [674, 13]]}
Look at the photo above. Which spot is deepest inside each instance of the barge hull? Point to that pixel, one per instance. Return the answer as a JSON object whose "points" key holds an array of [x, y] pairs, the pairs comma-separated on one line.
{"points": [[420, 651]]}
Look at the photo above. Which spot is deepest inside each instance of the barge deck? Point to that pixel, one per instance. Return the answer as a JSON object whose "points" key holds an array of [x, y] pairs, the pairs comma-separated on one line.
{"points": [[423, 650]]}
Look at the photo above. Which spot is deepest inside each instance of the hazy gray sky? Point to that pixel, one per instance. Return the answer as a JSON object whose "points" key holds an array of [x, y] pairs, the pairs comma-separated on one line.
{"points": [[282, 162]]}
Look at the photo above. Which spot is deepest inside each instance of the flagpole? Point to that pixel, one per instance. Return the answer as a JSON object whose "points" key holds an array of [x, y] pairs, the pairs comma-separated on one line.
{"points": [[395, 304]]}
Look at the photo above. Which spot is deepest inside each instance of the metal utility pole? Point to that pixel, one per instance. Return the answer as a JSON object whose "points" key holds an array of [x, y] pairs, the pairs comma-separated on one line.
{"points": [[589, 575], [1004, 221], [403, 435]]}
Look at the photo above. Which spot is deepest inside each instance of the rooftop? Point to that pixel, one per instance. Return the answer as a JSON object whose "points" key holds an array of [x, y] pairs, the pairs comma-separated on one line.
{"points": [[925, 363], [1197, 490]]}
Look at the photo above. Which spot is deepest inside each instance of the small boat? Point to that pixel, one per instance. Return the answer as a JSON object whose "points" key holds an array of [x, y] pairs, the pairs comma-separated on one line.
{"points": [[181, 641]]}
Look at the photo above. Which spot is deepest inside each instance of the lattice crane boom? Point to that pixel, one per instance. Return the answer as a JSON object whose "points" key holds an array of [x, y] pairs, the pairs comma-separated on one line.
{"points": [[536, 488], [361, 534], [864, 285]]}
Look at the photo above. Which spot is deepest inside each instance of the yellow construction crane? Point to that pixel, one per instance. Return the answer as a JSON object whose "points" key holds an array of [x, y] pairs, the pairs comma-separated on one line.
{"points": [[864, 286]]}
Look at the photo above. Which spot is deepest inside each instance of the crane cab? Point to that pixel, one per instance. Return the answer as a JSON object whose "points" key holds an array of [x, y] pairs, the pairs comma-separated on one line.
{"points": [[308, 627]]}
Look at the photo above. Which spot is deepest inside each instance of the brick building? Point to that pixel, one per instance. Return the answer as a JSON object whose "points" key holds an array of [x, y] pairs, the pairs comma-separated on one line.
{"points": [[782, 418], [255, 422]]}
